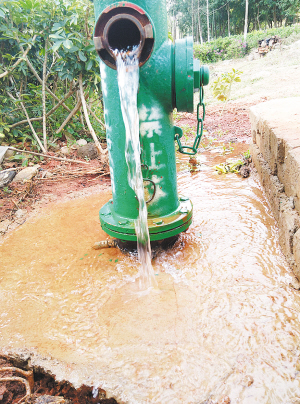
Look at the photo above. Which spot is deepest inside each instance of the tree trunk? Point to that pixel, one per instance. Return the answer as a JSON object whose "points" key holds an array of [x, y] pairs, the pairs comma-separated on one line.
{"points": [[207, 13], [274, 14], [246, 21], [228, 15], [88, 122], [48, 113], [28, 119], [174, 26], [41, 81], [70, 116], [258, 22], [199, 24], [44, 95], [193, 19], [55, 81]]}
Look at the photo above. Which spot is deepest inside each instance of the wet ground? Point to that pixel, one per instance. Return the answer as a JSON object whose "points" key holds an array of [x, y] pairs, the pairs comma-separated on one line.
{"points": [[223, 322]]}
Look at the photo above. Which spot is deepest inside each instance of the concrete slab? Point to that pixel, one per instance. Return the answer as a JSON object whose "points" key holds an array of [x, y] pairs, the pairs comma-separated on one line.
{"points": [[276, 153]]}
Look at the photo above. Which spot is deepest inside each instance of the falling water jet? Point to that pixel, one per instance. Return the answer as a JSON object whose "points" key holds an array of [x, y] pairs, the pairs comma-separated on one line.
{"points": [[128, 81]]}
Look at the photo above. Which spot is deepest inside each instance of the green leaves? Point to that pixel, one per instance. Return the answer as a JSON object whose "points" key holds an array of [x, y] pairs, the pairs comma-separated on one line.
{"points": [[221, 87], [81, 56], [89, 65], [69, 53], [230, 166], [57, 36], [68, 44], [3, 12]]}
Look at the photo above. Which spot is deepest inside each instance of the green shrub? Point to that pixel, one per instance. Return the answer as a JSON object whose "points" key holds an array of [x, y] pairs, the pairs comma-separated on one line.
{"points": [[233, 47], [220, 49]]}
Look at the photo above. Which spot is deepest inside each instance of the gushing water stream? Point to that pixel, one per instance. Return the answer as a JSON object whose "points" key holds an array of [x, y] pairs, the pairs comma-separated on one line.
{"points": [[128, 81]]}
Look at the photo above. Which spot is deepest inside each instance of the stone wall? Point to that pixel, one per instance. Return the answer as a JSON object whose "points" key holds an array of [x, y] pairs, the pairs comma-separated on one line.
{"points": [[276, 154]]}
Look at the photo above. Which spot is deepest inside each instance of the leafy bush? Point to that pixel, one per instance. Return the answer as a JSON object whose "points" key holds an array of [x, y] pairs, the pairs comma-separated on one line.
{"points": [[47, 44], [220, 49]]}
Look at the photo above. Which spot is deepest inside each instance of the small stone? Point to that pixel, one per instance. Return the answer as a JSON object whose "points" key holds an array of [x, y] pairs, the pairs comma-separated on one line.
{"points": [[20, 213], [88, 151], [65, 150], [245, 171], [69, 137], [81, 142], [193, 161], [224, 400], [9, 153], [247, 381], [53, 146], [27, 173], [4, 225], [6, 177], [295, 284], [3, 150], [45, 399], [48, 174], [9, 165]]}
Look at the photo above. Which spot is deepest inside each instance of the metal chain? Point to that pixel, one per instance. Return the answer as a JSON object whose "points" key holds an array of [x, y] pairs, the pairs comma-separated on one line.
{"points": [[179, 132]]}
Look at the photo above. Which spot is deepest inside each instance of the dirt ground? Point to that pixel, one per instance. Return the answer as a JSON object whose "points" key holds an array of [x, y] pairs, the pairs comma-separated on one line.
{"points": [[42, 386], [274, 76]]}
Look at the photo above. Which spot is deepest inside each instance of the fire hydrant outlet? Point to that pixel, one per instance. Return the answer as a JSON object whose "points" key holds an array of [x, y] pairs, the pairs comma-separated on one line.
{"points": [[123, 27]]}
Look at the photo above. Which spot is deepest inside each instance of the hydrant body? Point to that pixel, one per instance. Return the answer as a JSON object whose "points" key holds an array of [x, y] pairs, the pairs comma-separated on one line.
{"points": [[167, 80]]}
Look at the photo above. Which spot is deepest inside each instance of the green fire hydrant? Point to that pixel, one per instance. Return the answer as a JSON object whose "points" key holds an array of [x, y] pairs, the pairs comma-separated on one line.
{"points": [[168, 78]]}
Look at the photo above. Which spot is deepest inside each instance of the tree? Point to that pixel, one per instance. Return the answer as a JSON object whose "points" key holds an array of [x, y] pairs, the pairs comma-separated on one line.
{"points": [[224, 18], [246, 21], [47, 42], [207, 16]]}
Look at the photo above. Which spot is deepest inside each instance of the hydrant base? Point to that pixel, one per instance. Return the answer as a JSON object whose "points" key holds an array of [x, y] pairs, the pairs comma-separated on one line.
{"points": [[160, 228]]}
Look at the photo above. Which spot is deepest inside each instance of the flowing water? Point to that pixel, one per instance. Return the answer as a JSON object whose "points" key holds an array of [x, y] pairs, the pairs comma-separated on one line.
{"points": [[128, 81], [225, 321]]}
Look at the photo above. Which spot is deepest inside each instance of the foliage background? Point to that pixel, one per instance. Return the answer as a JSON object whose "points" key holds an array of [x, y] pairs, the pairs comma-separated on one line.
{"points": [[46, 49]]}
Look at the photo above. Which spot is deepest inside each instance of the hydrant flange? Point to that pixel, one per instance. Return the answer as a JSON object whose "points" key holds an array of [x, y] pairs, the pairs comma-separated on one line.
{"points": [[160, 228]]}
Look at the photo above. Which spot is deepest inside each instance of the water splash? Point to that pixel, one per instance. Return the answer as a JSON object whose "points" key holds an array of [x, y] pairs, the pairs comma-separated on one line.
{"points": [[128, 81]]}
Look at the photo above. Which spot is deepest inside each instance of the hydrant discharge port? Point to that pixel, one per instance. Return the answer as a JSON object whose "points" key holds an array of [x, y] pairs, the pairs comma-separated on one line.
{"points": [[123, 34], [125, 28]]}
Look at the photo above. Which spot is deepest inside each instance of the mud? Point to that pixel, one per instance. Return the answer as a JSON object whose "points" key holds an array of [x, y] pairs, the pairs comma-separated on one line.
{"points": [[45, 386], [224, 313]]}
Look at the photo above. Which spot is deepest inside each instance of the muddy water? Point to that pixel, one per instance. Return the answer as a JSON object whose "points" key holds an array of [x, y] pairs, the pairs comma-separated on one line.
{"points": [[224, 321]]}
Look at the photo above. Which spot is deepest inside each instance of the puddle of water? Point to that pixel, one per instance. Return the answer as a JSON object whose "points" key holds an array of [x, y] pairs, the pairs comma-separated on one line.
{"points": [[223, 321]]}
